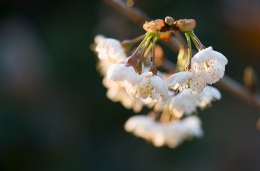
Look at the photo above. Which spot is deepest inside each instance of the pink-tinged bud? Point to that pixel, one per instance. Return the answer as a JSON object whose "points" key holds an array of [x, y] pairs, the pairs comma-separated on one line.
{"points": [[153, 26], [185, 24]]}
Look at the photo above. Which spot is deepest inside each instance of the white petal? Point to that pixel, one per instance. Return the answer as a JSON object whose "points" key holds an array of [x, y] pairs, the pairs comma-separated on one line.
{"points": [[99, 38], [220, 57], [213, 92], [202, 55], [111, 49], [110, 72], [192, 125], [158, 136], [135, 121], [121, 72], [197, 84], [179, 78], [209, 65], [131, 89], [160, 87], [145, 87], [184, 102]]}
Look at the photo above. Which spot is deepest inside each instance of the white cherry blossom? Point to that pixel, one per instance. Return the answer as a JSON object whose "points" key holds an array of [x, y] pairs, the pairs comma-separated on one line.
{"points": [[183, 103], [153, 86], [126, 76], [186, 103], [209, 65], [117, 93], [160, 106], [179, 81], [207, 96], [139, 125], [197, 84], [181, 130], [131, 87], [171, 134], [111, 49], [186, 80], [121, 72], [99, 38]]}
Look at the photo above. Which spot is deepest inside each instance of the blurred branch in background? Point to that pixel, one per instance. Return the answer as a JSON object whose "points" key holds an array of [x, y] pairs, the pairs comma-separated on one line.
{"points": [[227, 83]]}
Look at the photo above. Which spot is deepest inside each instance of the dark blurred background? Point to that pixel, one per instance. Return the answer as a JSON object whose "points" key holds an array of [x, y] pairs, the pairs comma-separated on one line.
{"points": [[55, 115]]}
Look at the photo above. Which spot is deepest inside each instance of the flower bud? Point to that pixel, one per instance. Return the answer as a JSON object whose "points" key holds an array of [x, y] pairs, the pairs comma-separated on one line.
{"points": [[153, 26], [185, 24], [169, 20]]}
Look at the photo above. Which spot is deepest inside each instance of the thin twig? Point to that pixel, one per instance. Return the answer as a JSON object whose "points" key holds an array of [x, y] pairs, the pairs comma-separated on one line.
{"points": [[227, 83]]}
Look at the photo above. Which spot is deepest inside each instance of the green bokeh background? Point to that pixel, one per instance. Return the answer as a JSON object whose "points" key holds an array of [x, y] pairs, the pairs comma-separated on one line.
{"points": [[55, 115]]}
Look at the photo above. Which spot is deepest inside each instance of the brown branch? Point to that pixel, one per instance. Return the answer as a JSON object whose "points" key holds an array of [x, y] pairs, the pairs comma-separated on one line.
{"points": [[227, 83], [240, 91], [133, 13]]}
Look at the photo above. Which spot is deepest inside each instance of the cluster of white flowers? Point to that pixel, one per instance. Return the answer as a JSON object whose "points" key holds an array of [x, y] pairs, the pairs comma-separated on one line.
{"points": [[131, 82], [207, 67], [146, 85], [186, 103], [171, 133], [109, 51], [111, 57]]}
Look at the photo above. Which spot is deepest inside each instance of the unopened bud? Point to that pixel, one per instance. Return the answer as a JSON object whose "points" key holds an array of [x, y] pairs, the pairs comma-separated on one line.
{"points": [[153, 26], [169, 20], [185, 24]]}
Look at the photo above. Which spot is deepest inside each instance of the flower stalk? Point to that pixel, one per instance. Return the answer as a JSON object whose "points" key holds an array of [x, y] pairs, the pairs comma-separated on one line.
{"points": [[196, 40], [188, 64]]}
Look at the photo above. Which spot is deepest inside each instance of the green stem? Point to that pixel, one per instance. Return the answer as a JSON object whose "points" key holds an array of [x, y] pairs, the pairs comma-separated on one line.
{"points": [[153, 68], [128, 44], [187, 67], [138, 39], [139, 66], [196, 40], [147, 36], [153, 51]]}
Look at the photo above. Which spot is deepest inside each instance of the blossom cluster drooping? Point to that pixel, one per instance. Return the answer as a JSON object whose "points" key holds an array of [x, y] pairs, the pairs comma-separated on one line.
{"points": [[171, 133], [132, 78]]}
